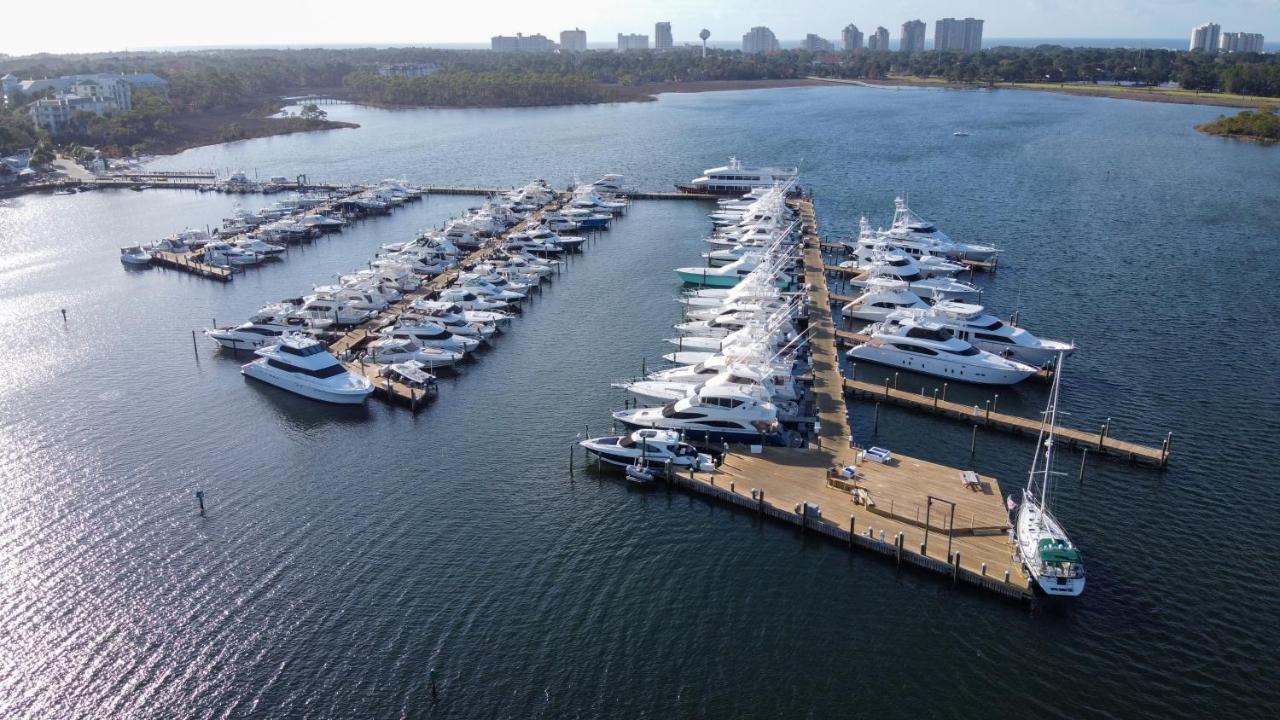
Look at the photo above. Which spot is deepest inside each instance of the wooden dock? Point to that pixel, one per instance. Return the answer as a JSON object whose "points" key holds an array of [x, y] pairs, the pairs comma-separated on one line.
{"points": [[909, 511], [185, 262], [1100, 442], [355, 338]]}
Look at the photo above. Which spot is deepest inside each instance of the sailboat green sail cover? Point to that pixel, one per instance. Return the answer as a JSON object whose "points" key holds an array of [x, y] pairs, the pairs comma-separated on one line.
{"points": [[1053, 550]]}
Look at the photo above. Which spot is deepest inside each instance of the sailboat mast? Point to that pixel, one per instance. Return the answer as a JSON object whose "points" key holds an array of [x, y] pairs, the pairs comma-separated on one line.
{"points": [[1053, 421]]}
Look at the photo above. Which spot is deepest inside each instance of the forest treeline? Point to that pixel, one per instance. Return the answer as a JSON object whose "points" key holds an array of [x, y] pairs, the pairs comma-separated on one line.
{"points": [[252, 81]]}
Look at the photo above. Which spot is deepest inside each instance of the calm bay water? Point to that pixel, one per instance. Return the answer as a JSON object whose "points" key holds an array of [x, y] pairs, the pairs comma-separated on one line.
{"points": [[347, 552]]}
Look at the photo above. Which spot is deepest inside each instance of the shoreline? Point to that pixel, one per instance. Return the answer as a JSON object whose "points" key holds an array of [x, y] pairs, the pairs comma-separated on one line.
{"points": [[649, 91], [1115, 92], [193, 130]]}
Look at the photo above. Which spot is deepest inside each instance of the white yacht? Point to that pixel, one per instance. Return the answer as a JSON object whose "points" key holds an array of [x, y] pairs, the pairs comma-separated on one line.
{"points": [[250, 335], [485, 318], [910, 231], [974, 324], [760, 385], [936, 288], [654, 446], [430, 334], [928, 347], [135, 255], [725, 276], [301, 365], [736, 179], [468, 300], [1048, 555], [259, 246], [333, 311], [226, 254], [405, 349], [881, 296], [725, 414]]}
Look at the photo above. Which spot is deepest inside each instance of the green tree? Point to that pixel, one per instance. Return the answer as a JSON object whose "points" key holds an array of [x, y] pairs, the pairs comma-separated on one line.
{"points": [[312, 113]]}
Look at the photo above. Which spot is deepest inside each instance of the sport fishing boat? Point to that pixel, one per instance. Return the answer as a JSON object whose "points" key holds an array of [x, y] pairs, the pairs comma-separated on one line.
{"points": [[736, 179], [1049, 556], [881, 296], [916, 235], [302, 366], [654, 446]]}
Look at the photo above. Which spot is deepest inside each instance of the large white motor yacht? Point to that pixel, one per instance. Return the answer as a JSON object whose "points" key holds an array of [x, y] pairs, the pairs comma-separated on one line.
{"points": [[301, 365], [724, 414], [974, 324], [929, 348], [736, 179]]}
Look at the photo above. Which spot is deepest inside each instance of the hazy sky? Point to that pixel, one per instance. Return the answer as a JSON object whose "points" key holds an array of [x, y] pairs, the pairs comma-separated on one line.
{"points": [[95, 25]]}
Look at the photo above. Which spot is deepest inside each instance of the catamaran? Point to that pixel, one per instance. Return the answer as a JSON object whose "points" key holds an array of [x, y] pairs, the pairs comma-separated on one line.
{"points": [[1047, 553]]}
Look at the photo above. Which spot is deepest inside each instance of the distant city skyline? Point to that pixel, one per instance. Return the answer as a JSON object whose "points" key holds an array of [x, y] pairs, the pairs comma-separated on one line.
{"points": [[139, 24]]}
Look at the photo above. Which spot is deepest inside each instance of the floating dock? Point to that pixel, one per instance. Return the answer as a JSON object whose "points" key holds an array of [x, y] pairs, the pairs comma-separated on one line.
{"points": [[1100, 442], [185, 262], [909, 511]]}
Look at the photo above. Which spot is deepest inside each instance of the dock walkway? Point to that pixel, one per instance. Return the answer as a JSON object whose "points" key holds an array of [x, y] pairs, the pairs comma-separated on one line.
{"points": [[1098, 442], [908, 510], [354, 338]]}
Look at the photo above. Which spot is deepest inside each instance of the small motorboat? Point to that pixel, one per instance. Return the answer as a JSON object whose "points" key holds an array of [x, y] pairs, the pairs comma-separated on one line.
{"points": [[135, 255], [640, 472], [962, 133]]}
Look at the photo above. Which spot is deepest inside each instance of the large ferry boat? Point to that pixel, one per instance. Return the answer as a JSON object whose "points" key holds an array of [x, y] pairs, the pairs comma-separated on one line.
{"points": [[738, 179]]}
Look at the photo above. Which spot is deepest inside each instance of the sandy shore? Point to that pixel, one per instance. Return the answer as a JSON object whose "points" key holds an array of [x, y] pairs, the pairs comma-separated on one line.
{"points": [[1141, 94], [649, 91]]}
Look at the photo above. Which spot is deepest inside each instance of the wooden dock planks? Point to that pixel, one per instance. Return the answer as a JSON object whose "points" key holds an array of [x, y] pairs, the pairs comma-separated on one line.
{"points": [[1098, 442], [185, 263]]}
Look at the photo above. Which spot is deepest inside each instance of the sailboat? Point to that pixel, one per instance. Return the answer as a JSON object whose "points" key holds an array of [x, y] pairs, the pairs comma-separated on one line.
{"points": [[1047, 553]]}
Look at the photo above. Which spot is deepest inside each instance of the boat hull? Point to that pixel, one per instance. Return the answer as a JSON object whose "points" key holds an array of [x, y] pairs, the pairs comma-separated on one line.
{"points": [[939, 367], [708, 279], [261, 373]]}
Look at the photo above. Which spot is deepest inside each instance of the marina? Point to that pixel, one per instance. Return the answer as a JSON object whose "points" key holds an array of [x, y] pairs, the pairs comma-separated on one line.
{"points": [[382, 543], [428, 290], [891, 509]]}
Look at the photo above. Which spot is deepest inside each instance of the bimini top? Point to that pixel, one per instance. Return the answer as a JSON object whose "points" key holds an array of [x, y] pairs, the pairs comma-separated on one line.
{"points": [[1056, 550]]}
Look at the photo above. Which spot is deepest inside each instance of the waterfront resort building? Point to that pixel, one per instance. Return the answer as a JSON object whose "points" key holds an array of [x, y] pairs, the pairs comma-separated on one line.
{"points": [[879, 40], [632, 41], [850, 37], [952, 34], [662, 39], [1233, 42], [814, 43], [759, 39], [912, 36], [89, 96], [522, 43], [407, 70], [574, 40], [1206, 38]]}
